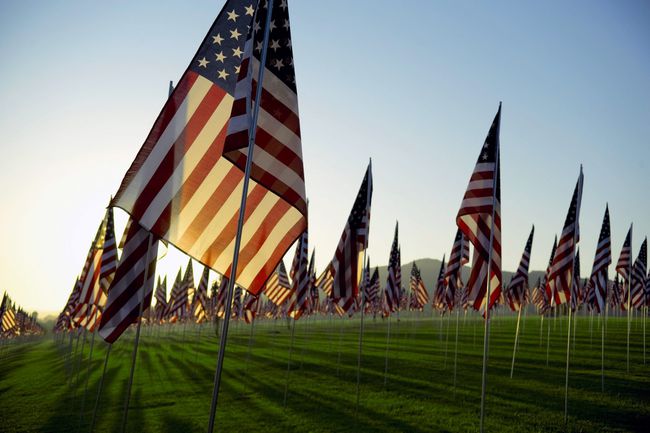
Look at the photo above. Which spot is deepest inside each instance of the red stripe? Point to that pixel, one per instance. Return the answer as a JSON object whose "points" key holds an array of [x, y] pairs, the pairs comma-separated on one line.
{"points": [[178, 150]]}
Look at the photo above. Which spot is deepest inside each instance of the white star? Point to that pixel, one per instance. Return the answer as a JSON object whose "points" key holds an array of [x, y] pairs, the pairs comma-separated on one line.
{"points": [[256, 26], [485, 145], [275, 44], [232, 16], [286, 24], [485, 156], [237, 68], [278, 64], [234, 34], [203, 62], [220, 57], [258, 46], [249, 10], [223, 74], [288, 43], [217, 39], [283, 4], [237, 52], [272, 25]]}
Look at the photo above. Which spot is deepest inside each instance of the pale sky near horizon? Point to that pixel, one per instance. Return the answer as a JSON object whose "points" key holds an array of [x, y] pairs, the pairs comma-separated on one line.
{"points": [[412, 84]]}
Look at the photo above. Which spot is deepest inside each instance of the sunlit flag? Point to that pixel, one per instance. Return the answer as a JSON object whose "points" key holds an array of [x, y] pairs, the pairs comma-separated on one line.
{"points": [[516, 291], [394, 280], [598, 281]]}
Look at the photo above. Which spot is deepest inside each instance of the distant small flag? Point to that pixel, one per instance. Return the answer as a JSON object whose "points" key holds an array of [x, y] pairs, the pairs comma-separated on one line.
{"points": [[251, 307], [519, 284], [237, 303], [418, 290], [392, 292], [129, 288], [109, 253], [373, 292], [161, 299], [200, 302], [222, 293], [300, 279], [278, 287], [576, 286], [560, 276], [479, 218], [639, 270], [346, 265], [457, 259], [439, 297], [624, 263], [598, 282]]}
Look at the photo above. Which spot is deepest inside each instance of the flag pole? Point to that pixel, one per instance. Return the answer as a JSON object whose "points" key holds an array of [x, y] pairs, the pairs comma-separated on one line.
{"points": [[486, 338], [286, 382], [629, 297], [143, 291], [99, 389], [90, 360], [240, 223], [514, 349], [363, 307], [456, 346], [387, 346]]}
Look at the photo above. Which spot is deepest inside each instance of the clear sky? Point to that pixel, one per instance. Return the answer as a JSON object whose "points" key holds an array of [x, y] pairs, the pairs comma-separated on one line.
{"points": [[412, 84]]}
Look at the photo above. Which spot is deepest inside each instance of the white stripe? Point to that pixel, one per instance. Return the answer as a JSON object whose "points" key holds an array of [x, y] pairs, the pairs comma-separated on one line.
{"points": [[279, 131], [277, 169], [277, 88]]}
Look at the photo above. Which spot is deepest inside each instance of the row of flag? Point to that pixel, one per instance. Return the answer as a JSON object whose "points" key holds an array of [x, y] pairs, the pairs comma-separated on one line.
{"points": [[14, 321]]}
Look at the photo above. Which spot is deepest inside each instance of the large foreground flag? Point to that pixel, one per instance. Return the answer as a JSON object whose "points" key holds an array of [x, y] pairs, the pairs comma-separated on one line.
{"points": [[129, 288], [519, 284], [347, 264], [479, 218], [560, 278], [186, 182], [597, 285]]}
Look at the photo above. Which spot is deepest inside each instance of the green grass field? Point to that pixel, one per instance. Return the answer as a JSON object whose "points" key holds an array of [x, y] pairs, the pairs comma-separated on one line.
{"points": [[175, 370]]}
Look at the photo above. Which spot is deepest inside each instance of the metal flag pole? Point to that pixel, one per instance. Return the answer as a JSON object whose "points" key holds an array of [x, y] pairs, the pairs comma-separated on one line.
{"points": [[444, 366], [456, 347], [387, 346], [286, 381], [99, 388], [629, 296], [602, 345], [240, 222], [486, 338], [90, 360], [514, 349], [363, 307], [134, 357]]}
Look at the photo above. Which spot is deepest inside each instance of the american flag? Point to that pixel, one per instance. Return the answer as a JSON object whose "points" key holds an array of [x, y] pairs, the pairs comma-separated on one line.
{"points": [[91, 292], [220, 309], [346, 265], [519, 284], [457, 259], [161, 299], [300, 279], [7, 315], [576, 286], [624, 264], [325, 281], [109, 253], [439, 299], [418, 290], [539, 297], [372, 296], [637, 288], [597, 285], [200, 302], [186, 181], [615, 294], [172, 305], [313, 295], [278, 287], [129, 288], [236, 303], [394, 280], [251, 307], [482, 203], [560, 277]]}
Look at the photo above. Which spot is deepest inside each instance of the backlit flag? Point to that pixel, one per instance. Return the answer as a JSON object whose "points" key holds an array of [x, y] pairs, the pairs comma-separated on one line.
{"points": [[161, 299], [624, 264], [347, 264], [394, 280], [439, 301], [418, 290], [639, 270], [479, 218], [186, 182], [560, 277], [300, 279], [251, 306], [519, 284], [615, 294], [372, 298], [278, 287], [109, 253], [130, 288], [200, 302], [457, 259], [172, 305], [222, 293], [599, 279], [236, 303], [576, 290]]}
